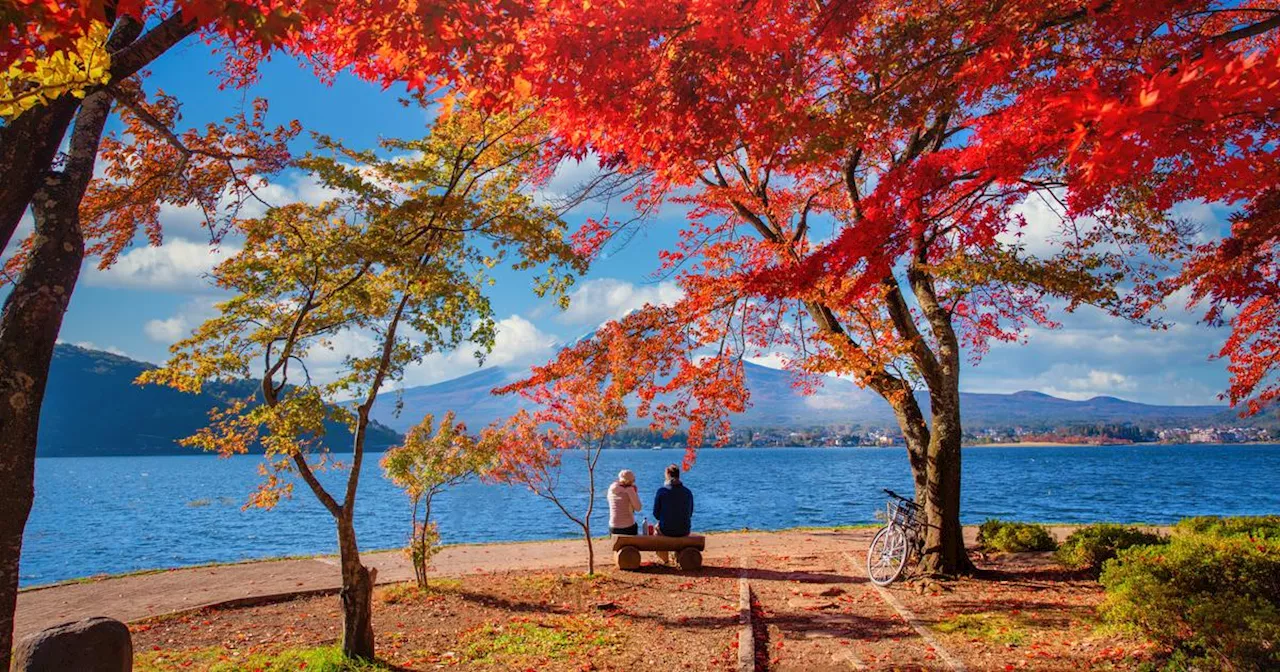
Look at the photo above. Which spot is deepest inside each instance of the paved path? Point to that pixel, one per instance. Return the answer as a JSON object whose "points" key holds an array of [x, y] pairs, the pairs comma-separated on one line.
{"points": [[129, 598]]}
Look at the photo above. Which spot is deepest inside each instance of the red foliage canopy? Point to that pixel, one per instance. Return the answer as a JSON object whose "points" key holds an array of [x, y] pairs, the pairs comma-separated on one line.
{"points": [[825, 150]]}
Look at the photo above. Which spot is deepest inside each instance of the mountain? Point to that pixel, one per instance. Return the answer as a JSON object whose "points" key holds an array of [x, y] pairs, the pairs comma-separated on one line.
{"points": [[92, 407], [776, 403], [468, 396]]}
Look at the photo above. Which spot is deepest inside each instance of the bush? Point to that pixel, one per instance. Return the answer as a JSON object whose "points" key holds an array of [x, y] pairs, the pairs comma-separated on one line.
{"points": [[1001, 535], [1090, 546], [1255, 527], [1211, 602]]}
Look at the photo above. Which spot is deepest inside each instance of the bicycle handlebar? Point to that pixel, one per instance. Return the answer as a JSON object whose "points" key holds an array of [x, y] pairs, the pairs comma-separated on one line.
{"points": [[898, 497]]}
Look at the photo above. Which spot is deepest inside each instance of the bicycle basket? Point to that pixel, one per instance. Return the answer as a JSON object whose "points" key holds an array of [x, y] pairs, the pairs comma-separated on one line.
{"points": [[904, 514]]}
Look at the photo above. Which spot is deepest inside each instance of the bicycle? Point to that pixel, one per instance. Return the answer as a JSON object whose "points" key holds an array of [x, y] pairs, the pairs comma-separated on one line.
{"points": [[898, 542]]}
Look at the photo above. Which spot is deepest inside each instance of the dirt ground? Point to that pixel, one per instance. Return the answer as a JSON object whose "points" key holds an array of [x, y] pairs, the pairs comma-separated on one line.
{"points": [[656, 618], [813, 610], [1024, 612]]}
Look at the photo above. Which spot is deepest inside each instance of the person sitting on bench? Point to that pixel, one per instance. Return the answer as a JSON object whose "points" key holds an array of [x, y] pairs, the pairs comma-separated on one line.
{"points": [[673, 509], [624, 502]]}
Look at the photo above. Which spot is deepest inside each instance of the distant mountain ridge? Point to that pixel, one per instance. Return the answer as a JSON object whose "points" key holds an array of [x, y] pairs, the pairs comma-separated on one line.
{"points": [[775, 403], [92, 407]]}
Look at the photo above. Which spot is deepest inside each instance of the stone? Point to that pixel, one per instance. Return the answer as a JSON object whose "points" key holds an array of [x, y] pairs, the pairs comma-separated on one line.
{"points": [[97, 644]]}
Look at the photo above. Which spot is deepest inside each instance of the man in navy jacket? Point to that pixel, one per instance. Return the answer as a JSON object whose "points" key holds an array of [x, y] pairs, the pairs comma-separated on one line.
{"points": [[673, 506]]}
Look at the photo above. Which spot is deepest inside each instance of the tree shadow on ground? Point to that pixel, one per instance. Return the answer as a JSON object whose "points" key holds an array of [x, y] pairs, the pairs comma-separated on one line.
{"points": [[751, 574]]}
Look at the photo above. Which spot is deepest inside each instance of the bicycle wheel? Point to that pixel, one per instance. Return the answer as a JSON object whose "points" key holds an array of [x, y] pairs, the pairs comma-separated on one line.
{"points": [[887, 555]]}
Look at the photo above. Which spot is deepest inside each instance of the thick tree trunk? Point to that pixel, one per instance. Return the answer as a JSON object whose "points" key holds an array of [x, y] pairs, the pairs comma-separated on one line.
{"points": [[944, 551], [356, 595], [27, 148], [916, 433], [28, 331], [29, 327]]}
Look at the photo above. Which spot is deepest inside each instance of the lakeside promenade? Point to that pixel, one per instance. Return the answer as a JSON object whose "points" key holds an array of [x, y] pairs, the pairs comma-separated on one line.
{"points": [[144, 595]]}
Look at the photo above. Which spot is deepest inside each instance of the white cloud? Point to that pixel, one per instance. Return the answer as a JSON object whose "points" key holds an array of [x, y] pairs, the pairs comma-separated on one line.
{"points": [[177, 327], [1045, 221], [570, 176], [598, 301], [177, 265], [1097, 382], [518, 343]]}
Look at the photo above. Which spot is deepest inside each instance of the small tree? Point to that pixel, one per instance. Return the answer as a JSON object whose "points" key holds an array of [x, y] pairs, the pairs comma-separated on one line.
{"points": [[398, 261], [529, 449], [431, 460]]}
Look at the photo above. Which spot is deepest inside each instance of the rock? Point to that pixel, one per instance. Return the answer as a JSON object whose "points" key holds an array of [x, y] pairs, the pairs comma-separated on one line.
{"points": [[97, 644]]}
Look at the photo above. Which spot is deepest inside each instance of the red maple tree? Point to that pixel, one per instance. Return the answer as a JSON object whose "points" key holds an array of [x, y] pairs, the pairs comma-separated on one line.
{"points": [[854, 173]]}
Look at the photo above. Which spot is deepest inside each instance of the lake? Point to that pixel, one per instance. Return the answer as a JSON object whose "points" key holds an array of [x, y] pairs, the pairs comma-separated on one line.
{"points": [[95, 515]]}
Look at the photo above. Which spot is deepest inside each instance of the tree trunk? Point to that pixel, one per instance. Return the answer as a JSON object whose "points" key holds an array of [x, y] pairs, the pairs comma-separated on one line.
{"points": [[915, 431], [356, 594], [29, 327], [27, 147], [944, 551], [28, 331], [591, 551], [934, 453]]}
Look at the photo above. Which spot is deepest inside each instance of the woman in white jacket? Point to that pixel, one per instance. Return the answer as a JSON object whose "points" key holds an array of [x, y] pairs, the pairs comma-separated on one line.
{"points": [[624, 502]]}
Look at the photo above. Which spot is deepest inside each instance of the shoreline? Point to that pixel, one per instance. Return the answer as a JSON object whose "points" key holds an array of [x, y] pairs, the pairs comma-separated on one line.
{"points": [[487, 546], [1009, 444]]}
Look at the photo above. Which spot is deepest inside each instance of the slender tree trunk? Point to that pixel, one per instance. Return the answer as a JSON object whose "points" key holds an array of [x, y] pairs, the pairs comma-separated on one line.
{"points": [[356, 594], [420, 539]]}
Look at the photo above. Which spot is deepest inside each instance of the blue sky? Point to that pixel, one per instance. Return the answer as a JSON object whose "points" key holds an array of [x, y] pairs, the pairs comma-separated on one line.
{"points": [[156, 295]]}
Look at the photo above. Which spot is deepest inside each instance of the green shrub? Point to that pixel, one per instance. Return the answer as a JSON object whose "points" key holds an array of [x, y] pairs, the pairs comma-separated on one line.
{"points": [[1210, 602], [1090, 546], [1001, 535], [1256, 527]]}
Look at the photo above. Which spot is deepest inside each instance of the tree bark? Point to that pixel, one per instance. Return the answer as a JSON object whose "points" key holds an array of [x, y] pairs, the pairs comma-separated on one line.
{"points": [[28, 332], [915, 432], [29, 327], [28, 146], [356, 595], [944, 551]]}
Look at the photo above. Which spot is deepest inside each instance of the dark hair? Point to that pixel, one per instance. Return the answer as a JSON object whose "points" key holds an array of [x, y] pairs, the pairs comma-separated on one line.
{"points": [[673, 472]]}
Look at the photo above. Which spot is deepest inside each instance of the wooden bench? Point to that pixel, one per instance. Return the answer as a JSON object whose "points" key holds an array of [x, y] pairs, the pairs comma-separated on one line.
{"points": [[688, 550]]}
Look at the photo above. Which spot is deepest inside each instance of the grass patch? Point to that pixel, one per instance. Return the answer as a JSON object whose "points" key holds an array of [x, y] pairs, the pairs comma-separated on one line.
{"points": [[403, 593], [993, 627], [523, 641], [218, 659]]}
